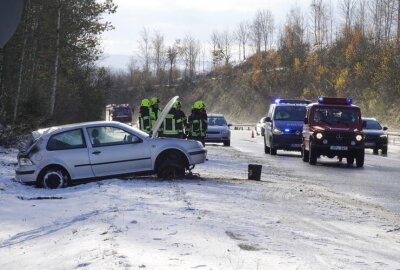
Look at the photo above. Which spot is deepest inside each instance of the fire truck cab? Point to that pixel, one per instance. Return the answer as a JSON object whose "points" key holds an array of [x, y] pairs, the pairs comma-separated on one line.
{"points": [[333, 128], [120, 113]]}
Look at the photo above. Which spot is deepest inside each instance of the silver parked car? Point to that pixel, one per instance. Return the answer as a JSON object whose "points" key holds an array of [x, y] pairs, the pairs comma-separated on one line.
{"points": [[58, 155], [218, 130]]}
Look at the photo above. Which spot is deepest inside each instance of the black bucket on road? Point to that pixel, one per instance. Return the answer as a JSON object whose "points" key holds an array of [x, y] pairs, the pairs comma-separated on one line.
{"points": [[255, 172]]}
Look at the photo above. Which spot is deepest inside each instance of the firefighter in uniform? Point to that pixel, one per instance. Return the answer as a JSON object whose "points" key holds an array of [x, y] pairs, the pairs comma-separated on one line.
{"points": [[144, 116], [197, 122], [155, 111], [173, 125]]}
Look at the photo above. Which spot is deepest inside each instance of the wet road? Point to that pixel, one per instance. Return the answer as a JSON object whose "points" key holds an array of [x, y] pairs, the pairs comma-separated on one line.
{"points": [[377, 182]]}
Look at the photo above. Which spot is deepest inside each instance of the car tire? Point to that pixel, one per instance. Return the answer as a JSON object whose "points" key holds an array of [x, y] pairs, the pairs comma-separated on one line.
{"points": [[304, 154], [360, 159], [312, 160], [384, 150], [273, 151], [171, 166], [266, 148], [52, 178], [227, 143], [350, 160], [376, 151]]}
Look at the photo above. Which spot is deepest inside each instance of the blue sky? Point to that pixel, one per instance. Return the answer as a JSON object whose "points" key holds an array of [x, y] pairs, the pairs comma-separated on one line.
{"points": [[175, 19]]}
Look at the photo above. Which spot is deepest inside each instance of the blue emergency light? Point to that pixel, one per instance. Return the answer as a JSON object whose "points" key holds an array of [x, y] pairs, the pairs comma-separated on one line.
{"points": [[335, 101], [278, 100], [287, 130]]}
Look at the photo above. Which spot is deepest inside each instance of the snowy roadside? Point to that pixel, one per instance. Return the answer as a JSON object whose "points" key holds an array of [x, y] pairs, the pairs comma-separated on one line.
{"points": [[220, 222]]}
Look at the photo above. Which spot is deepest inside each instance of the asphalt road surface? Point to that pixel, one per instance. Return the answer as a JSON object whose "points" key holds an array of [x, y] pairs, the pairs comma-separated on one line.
{"points": [[377, 182]]}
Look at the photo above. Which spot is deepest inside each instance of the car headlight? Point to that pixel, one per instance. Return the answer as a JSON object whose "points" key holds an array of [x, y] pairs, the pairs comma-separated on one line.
{"points": [[277, 131], [359, 138], [319, 136], [25, 162]]}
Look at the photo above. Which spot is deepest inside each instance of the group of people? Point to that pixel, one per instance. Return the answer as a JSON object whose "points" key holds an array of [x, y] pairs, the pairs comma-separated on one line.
{"points": [[175, 124]]}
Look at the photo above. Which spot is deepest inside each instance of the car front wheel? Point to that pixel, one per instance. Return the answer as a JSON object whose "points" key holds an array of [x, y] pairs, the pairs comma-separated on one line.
{"points": [[171, 166], [227, 143]]}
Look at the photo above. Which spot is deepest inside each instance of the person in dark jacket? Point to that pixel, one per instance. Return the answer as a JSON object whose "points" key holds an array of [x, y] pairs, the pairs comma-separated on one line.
{"points": [[175, 122], [197, 122], [144, 116]]}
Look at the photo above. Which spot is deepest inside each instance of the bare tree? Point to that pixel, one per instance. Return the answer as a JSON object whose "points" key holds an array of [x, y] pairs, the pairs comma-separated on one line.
{"points": [[242, 36], [347, 8], [132, 68], [172, 54], [216, 52], [256, 31], [267, 27], [190, 51], [56, 60], [319, 14], [225, 44], [145, 50], [158, 54]]}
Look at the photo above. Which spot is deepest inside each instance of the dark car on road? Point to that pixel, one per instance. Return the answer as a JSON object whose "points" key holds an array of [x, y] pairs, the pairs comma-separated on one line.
{"points": [[376, 137]]}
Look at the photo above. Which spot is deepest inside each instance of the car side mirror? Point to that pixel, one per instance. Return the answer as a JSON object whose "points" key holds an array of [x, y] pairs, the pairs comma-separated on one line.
{"points": [[385, 128], [268, 119], [229, 125], [364, 124], [305, 120]]}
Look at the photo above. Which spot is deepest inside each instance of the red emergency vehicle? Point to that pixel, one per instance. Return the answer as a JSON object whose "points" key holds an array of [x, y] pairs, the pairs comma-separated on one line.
{"points": [[333, 128], [119, 112]]}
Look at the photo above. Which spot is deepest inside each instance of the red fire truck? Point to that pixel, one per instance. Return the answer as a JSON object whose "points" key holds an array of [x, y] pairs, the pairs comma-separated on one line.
{"points": [[119, 112], [333, 128]]}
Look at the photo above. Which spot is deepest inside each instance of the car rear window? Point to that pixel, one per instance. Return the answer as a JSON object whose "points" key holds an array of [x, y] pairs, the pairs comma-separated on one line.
{"points": [[71, 139]]}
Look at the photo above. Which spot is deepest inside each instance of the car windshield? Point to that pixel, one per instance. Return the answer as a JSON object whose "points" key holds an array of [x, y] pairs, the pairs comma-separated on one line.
{"points": [[121, 112], [372, 124], [216, 121], [336, 115], [290, 113]]}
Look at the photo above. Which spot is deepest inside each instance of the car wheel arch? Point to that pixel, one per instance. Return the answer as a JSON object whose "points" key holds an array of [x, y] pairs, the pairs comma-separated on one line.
{"points": [[165, 152]]}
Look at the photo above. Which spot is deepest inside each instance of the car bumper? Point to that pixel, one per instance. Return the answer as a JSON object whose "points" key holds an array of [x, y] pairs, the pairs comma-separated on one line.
{"points": [[217, 138], [198, 156], [26, 175], [346, 151], [288, 142]]}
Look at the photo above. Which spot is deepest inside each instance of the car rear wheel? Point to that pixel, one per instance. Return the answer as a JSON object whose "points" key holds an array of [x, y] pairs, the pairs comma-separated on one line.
{"points": [[272, 150], [376, 151], [52, 178], [227, 143]]}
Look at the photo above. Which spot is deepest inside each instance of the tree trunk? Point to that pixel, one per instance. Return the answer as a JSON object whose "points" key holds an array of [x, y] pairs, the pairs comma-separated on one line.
{"points": [[398, 24], [56, 60]]}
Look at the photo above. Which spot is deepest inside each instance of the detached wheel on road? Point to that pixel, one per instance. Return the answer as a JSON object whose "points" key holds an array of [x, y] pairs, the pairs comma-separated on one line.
{"points": [[52, 178], [171, 166], [227, 143], [266, 148], [312, 156], [360, 159]]}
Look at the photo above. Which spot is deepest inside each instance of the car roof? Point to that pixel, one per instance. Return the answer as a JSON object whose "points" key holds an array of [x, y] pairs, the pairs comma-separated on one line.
{"points": [[51, 130], [215, 115]]}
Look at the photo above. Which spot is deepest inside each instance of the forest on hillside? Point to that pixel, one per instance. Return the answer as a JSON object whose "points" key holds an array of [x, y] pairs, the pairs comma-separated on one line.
{"points": [[348, 48]]}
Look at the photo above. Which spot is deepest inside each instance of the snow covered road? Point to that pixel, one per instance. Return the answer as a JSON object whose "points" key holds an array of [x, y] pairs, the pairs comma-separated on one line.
{"points": [[221, 221]]}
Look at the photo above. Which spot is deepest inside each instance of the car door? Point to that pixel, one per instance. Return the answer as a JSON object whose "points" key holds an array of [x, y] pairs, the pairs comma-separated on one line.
{"points": [[116, 151], [70, 149]]}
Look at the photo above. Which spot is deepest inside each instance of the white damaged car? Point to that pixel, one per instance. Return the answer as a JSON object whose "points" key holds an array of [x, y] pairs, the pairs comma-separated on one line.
{"points": [[59, 155]]}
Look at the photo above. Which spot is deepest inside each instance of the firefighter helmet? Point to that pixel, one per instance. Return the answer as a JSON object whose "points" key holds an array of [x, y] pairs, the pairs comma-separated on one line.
{"points": [[154, 101], [177, 105], [145, 103], [199, 105]]}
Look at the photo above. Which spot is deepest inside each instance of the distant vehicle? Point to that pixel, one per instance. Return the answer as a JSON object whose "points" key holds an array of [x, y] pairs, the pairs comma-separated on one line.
{"points": [[376, 136], [218, 130], [57, 156], [260, 127], [284, 125], [333, 128], [119, 112]]}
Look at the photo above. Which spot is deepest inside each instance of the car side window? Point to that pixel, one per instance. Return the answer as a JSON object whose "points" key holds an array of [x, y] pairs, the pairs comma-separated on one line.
{"points": [[71, 139], [108, 136]]}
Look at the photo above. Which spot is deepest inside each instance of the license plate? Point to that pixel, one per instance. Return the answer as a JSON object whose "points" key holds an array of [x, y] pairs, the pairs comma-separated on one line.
{"points": [[340, 148], [369, 144], [295, 145]]}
